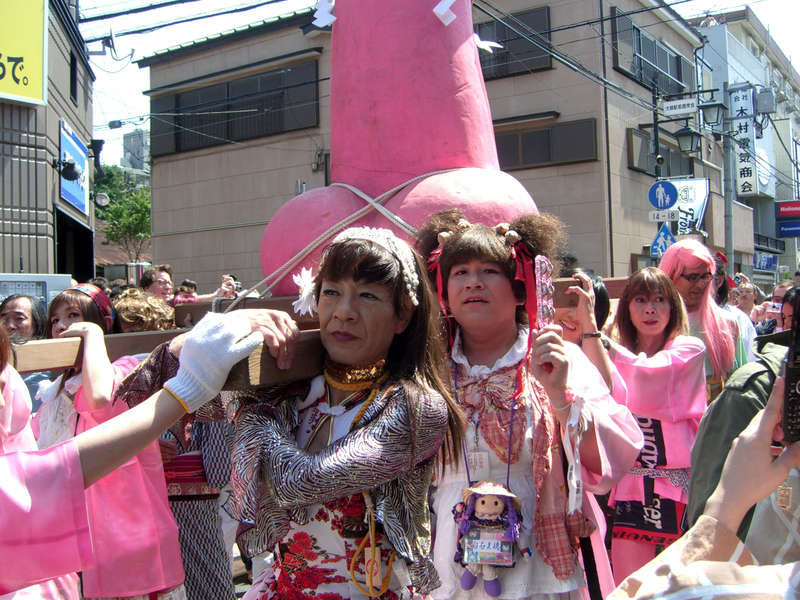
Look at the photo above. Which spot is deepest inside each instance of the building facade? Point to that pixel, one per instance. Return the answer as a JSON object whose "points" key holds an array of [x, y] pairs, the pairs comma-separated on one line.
{"points": [[46, 224], [575, 129]]}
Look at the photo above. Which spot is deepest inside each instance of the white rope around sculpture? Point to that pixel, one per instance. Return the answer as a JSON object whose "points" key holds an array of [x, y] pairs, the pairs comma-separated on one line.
{"points": [[372, 204]]}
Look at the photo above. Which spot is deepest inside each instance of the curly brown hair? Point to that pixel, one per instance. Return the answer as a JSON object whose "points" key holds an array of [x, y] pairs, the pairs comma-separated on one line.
{"points": [[541, 233], [139, 311]]}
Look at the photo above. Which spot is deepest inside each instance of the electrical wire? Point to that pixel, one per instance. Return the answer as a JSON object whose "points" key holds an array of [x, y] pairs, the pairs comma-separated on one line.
{"points": [[162, 25], [780, 139], [132, 11]]}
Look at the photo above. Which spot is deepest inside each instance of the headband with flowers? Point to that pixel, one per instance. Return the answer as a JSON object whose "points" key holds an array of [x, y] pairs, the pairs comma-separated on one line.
{"points": [[402, 252]]}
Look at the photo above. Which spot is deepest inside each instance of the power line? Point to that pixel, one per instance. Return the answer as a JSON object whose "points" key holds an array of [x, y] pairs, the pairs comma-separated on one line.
{"points": [[780, 139], [545, 45], [132, 11], [186, 20]]}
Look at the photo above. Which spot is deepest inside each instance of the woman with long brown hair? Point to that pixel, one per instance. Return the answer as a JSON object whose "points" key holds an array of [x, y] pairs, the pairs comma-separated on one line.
{"points": [[664, 372]]}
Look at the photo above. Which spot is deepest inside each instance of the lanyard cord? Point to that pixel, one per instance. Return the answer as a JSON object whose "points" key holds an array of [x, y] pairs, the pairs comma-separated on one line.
{"points": [[463, 444]]}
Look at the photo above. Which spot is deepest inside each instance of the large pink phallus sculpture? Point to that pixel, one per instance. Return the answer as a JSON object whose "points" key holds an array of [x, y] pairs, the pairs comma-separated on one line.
{"points": [[411, 134]]}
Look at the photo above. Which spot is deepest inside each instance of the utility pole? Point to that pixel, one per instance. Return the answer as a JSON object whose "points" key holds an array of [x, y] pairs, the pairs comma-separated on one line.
{"points": [[730, 181], [656, 149]]}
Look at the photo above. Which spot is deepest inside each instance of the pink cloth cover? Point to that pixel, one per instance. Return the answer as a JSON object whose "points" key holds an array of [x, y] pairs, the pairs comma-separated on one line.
{"points": [[16, 436], [619, 441], [669, 386], [134, 535], [44, 529]]}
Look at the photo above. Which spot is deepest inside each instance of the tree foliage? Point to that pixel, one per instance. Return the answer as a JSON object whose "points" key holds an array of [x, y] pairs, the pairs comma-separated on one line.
{"points": [[127, 216]]}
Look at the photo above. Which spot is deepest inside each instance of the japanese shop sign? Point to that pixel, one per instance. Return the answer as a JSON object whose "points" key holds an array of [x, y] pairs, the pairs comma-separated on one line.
{"points": [[23, 51], [677, 108], [72, 148], [744, 142], [692, 201]]}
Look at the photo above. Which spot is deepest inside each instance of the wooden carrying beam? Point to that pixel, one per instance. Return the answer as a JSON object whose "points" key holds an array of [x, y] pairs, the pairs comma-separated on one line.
{"points": [[63, 353], [195, 311], [259, 370]]}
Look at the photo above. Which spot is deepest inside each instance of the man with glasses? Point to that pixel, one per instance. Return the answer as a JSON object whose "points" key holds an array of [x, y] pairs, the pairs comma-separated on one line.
{"points": [[691, 267], [157, 281]]}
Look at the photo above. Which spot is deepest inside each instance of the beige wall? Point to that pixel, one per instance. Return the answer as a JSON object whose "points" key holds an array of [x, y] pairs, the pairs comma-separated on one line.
{"points": [[210, 206]]}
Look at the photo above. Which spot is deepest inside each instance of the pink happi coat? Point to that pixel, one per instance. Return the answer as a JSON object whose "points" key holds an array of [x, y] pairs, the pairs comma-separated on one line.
{"points": [[134, 535], [16, 436], [669, 386]]}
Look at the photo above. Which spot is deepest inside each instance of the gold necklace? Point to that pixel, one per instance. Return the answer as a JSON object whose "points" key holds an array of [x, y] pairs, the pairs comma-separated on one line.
{"points": [[355, 378]]}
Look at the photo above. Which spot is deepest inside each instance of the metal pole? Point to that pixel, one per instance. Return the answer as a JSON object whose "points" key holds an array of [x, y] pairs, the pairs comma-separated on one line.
{"points": [[655, 130], [730, 185]]}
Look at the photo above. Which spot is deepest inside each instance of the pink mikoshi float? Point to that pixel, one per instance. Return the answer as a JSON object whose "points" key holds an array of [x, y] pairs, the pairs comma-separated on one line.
{"points": [[411, 133]]}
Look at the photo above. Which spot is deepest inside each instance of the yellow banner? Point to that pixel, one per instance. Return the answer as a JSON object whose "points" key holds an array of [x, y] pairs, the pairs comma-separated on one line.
{"points": [[23, 50]]}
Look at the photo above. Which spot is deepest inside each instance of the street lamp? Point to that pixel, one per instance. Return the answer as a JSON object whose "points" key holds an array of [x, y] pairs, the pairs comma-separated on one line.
{"points": [[713, 112], [689, 139]]}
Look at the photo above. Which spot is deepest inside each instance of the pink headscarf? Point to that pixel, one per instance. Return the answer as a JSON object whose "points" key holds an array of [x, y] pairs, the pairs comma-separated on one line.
{"points": [[718, 338]]}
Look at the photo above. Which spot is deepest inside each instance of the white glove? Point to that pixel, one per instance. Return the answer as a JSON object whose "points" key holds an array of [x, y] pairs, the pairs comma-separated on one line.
{"points": [[211, 349]]}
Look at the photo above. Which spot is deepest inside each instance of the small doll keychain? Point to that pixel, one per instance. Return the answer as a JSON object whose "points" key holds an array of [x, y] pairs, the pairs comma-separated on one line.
{"points": [[488, 527]]}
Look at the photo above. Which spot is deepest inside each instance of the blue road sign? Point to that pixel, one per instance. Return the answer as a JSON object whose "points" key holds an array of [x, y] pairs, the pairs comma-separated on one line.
{"points": [[662, 195], [663, 240], [788, 228]]}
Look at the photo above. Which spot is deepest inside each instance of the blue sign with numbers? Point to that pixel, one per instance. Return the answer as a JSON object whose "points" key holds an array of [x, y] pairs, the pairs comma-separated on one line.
{"points": [[662, 195]]}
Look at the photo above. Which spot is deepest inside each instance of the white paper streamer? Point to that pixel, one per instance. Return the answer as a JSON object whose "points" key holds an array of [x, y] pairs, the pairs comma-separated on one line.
{"points": [[323, 16], [486, 45], [442, 10]]}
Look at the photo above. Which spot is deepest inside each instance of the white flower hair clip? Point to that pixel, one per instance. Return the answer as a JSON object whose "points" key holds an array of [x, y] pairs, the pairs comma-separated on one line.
{"points": [[306, 304]]}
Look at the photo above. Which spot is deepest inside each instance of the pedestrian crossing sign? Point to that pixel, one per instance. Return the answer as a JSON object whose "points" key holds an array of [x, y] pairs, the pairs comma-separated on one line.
{"points": [[663, 240]]}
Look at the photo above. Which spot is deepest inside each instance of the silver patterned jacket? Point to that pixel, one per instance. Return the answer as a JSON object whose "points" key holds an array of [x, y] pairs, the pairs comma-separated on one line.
{"points": [[390, 452]]}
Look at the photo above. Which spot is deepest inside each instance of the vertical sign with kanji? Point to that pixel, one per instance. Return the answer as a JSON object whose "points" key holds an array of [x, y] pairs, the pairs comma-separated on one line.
{"points": [[744, 149], [23, 50]]}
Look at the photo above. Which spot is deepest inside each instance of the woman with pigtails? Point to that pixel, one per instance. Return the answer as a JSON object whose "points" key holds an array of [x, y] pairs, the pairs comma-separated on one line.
{"points": [[542, 428]]}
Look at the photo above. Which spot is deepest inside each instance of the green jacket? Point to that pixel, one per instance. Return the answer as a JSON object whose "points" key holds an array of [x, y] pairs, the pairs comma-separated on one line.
{"points": [[746, 392]]}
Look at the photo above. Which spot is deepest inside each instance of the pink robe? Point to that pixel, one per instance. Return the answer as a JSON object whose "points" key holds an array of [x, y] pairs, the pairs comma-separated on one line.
{"points": [[134, 535], [669, 386], [38, 542]]}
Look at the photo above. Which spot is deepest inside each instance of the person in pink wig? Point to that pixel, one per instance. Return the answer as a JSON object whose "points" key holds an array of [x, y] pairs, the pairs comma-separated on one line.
{"points": [[691, 267]]}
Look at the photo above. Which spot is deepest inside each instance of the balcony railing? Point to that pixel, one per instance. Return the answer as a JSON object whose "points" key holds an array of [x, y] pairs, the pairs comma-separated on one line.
{"points": [[768, 244]]}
